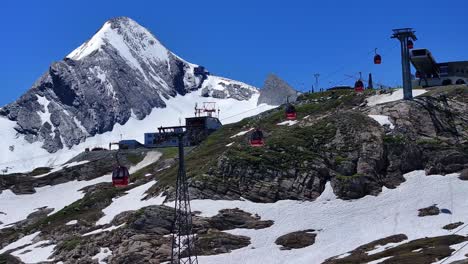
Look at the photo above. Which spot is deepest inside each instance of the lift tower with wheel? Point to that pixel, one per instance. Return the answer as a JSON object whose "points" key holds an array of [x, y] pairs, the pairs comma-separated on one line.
{"points": [[406, 37], [183, 241]]}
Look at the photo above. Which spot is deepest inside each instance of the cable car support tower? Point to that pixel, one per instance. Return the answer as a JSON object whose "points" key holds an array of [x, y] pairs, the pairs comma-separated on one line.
{"points": [[183, 240], [406, 37]]}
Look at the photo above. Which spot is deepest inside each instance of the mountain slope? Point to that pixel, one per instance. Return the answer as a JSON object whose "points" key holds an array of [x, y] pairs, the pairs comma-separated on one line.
{"points": [[122, 72], [369, 183]]}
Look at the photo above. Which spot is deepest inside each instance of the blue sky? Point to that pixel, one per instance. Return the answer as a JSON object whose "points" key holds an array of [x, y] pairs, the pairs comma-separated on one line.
{"points": [[243, 40]]}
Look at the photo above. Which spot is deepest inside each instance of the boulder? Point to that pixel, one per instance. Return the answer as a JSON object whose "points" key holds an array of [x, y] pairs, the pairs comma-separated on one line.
{"points": [[298, 239]]}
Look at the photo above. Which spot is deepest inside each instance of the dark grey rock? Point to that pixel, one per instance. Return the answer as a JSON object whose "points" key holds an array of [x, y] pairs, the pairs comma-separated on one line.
{"points": [[428, 211], [464, 175], [298, 239], [452, 226], [235, 218], [215, 242]]}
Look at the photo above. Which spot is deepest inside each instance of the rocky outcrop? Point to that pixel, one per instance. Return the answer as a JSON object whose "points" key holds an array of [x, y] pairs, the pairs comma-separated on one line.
{"points": [[9, 259], [428, 211], [424, 250], [452, 226], [215, 242], [275, 91], [235, 218], [298, 239]]}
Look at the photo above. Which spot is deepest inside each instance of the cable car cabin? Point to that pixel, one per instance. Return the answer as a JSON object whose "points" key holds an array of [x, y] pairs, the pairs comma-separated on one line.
{"points": [[256, 138], [120, 176], [291, 113], [377, 59], [410, 44], [359, 86]]}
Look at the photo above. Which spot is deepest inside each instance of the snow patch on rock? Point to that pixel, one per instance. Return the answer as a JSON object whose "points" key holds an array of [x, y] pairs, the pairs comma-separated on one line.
{"points": [[383, 120], [103, 254], [390, 97]]}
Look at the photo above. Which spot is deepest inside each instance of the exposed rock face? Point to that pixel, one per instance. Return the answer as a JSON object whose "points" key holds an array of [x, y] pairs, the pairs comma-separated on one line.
{"points": [[424, 250], [9, 259], [215, 242], [123, 70], [234, 218], [343, 146], [299, 239], [276, 91], [145, 237], [464, 175], [431, 210], [452, 226]]}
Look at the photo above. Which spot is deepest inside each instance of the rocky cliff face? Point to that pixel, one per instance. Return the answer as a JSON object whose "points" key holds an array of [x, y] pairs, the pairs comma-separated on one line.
{"points": [[122, 71], [275, 91], [336, 140]]}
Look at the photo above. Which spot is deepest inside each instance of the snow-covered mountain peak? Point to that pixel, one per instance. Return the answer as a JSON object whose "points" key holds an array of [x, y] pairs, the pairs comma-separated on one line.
{"points": [[122, 73], [128, 37]]}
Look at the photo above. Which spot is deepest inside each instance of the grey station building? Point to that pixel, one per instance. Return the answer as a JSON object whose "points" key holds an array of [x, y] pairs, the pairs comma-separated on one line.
{"points": [[431, 73]]}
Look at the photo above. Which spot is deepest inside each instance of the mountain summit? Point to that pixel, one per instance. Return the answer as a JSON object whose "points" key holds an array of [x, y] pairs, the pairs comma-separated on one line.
{"points": [[123, 71]]}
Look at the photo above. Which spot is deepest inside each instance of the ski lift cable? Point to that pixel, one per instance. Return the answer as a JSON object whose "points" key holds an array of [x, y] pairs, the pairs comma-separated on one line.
{"points": [[243, 112], [454, 253], [344, 66], [372, 51], [337, 82]]}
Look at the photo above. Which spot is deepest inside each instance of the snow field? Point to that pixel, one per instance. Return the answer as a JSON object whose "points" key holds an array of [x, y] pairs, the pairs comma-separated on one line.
{"points": [[344, 225], [17, 207], [37, 252], [131, 201], [103, 253], [395, 96]]}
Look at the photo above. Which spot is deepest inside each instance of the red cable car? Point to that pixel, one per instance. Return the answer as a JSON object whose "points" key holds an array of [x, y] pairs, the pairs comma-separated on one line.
{"points": [[290, 112], [256, 138], [120, 176], [410, 44], [377, 59], [359, 86]]}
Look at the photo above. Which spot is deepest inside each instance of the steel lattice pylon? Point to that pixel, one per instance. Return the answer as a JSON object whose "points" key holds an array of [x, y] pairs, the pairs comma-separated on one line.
{"points": [[183, 247]]}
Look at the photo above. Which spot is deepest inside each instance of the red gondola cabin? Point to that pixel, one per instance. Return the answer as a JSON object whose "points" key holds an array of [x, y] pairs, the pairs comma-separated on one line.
{"points": [[291, 113], [359, 86], [120, 176], [410, 44], [377, 59], [256, 138]]}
